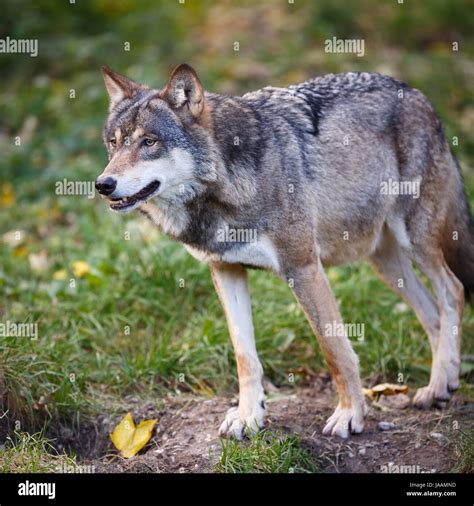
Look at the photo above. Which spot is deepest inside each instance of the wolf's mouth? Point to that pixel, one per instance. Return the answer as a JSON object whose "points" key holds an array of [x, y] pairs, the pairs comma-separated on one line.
{"points": [[143, 194]]}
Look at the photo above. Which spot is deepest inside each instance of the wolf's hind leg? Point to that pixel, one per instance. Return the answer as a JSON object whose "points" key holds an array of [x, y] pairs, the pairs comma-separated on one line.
{"points": [[446, 361], [230, 282], [394, 268], [311, 288]]}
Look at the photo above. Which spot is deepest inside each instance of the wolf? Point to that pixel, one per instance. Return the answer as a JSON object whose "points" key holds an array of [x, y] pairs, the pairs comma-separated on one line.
{"points": [[303, 167]]}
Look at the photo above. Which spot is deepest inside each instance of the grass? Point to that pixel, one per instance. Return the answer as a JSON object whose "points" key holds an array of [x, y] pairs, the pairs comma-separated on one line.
{"points": [[464, 452], [265, 452], [33, 453], [145, 320]]}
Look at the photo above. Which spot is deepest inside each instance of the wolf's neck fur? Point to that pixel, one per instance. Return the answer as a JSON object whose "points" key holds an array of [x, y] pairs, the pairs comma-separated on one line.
{"points": [[252, 173], [236, 154]]}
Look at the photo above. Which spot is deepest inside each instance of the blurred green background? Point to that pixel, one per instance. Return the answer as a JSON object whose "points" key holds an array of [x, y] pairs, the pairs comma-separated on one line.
{"points": [[84, 359]]}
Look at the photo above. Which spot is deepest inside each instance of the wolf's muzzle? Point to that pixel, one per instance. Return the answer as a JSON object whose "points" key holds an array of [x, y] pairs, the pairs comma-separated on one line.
{"points": [[106, 185], [121, 204]]}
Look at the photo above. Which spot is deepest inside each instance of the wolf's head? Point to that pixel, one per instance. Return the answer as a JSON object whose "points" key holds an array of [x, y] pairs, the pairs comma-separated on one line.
{"points": [[157, 142]]}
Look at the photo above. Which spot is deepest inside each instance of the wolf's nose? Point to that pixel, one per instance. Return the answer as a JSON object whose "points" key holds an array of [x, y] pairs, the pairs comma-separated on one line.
{"points": [[105, 186]]}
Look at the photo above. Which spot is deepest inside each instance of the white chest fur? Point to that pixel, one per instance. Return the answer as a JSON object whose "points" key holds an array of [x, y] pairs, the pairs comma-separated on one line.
{"points": [[261, 253], [170, 221], [257, 253]]}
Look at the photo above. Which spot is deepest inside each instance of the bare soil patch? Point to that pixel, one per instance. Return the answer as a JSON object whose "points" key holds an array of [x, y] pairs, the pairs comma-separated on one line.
{"points": [[186, 437]]}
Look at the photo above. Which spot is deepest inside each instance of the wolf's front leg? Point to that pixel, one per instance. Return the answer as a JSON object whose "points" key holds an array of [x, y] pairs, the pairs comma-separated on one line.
{"points": [[313, 292], [230, 282]]}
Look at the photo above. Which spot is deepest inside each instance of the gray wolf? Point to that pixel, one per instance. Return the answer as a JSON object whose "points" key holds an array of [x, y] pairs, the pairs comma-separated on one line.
{"points": [[336, 168]]}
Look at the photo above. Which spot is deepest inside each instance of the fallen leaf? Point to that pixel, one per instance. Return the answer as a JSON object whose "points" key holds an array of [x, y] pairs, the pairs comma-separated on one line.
{"points": [[385, 389], [20, 251], [60, 275], [80, 268], [7, 195], [368, 392], [128, 438], [390, 389]]}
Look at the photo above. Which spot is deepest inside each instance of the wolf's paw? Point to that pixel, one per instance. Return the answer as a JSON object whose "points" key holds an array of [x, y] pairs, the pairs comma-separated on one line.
{"points": [[444, 380], [237, 425], [453, 376], [346, 420], [430, 395]]}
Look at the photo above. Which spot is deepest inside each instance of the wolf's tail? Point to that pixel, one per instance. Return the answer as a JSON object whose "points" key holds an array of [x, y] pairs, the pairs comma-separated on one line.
{"points": [[458, 244]]}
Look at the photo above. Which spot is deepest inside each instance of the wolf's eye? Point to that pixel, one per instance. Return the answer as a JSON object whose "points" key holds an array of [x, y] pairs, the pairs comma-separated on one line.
{"points": [[149, 142], [113, 141]]}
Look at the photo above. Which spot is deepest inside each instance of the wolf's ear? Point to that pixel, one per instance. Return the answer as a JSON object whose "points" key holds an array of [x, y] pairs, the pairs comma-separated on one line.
{"points": [[184, 90], [118, 86]]}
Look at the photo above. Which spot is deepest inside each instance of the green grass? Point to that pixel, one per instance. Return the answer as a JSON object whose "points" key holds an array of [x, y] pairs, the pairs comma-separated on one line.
{"points": [[464, 452], [33, 453], [265, 452]]}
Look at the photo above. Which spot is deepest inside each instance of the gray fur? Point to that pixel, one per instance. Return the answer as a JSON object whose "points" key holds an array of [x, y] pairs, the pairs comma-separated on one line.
{"points": [[292, 170], [304, 167]]}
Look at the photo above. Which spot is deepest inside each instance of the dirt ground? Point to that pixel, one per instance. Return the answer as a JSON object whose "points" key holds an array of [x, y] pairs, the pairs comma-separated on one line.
{"points": [[186, 438]]}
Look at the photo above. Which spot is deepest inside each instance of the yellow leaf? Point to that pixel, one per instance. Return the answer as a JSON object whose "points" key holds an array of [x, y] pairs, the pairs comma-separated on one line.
{"points": [[385, 389], [60, 275], [20, 251], [368, 392], [80, 268], [7, 195], [130, 439], [123, 433], [390, 389]]}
